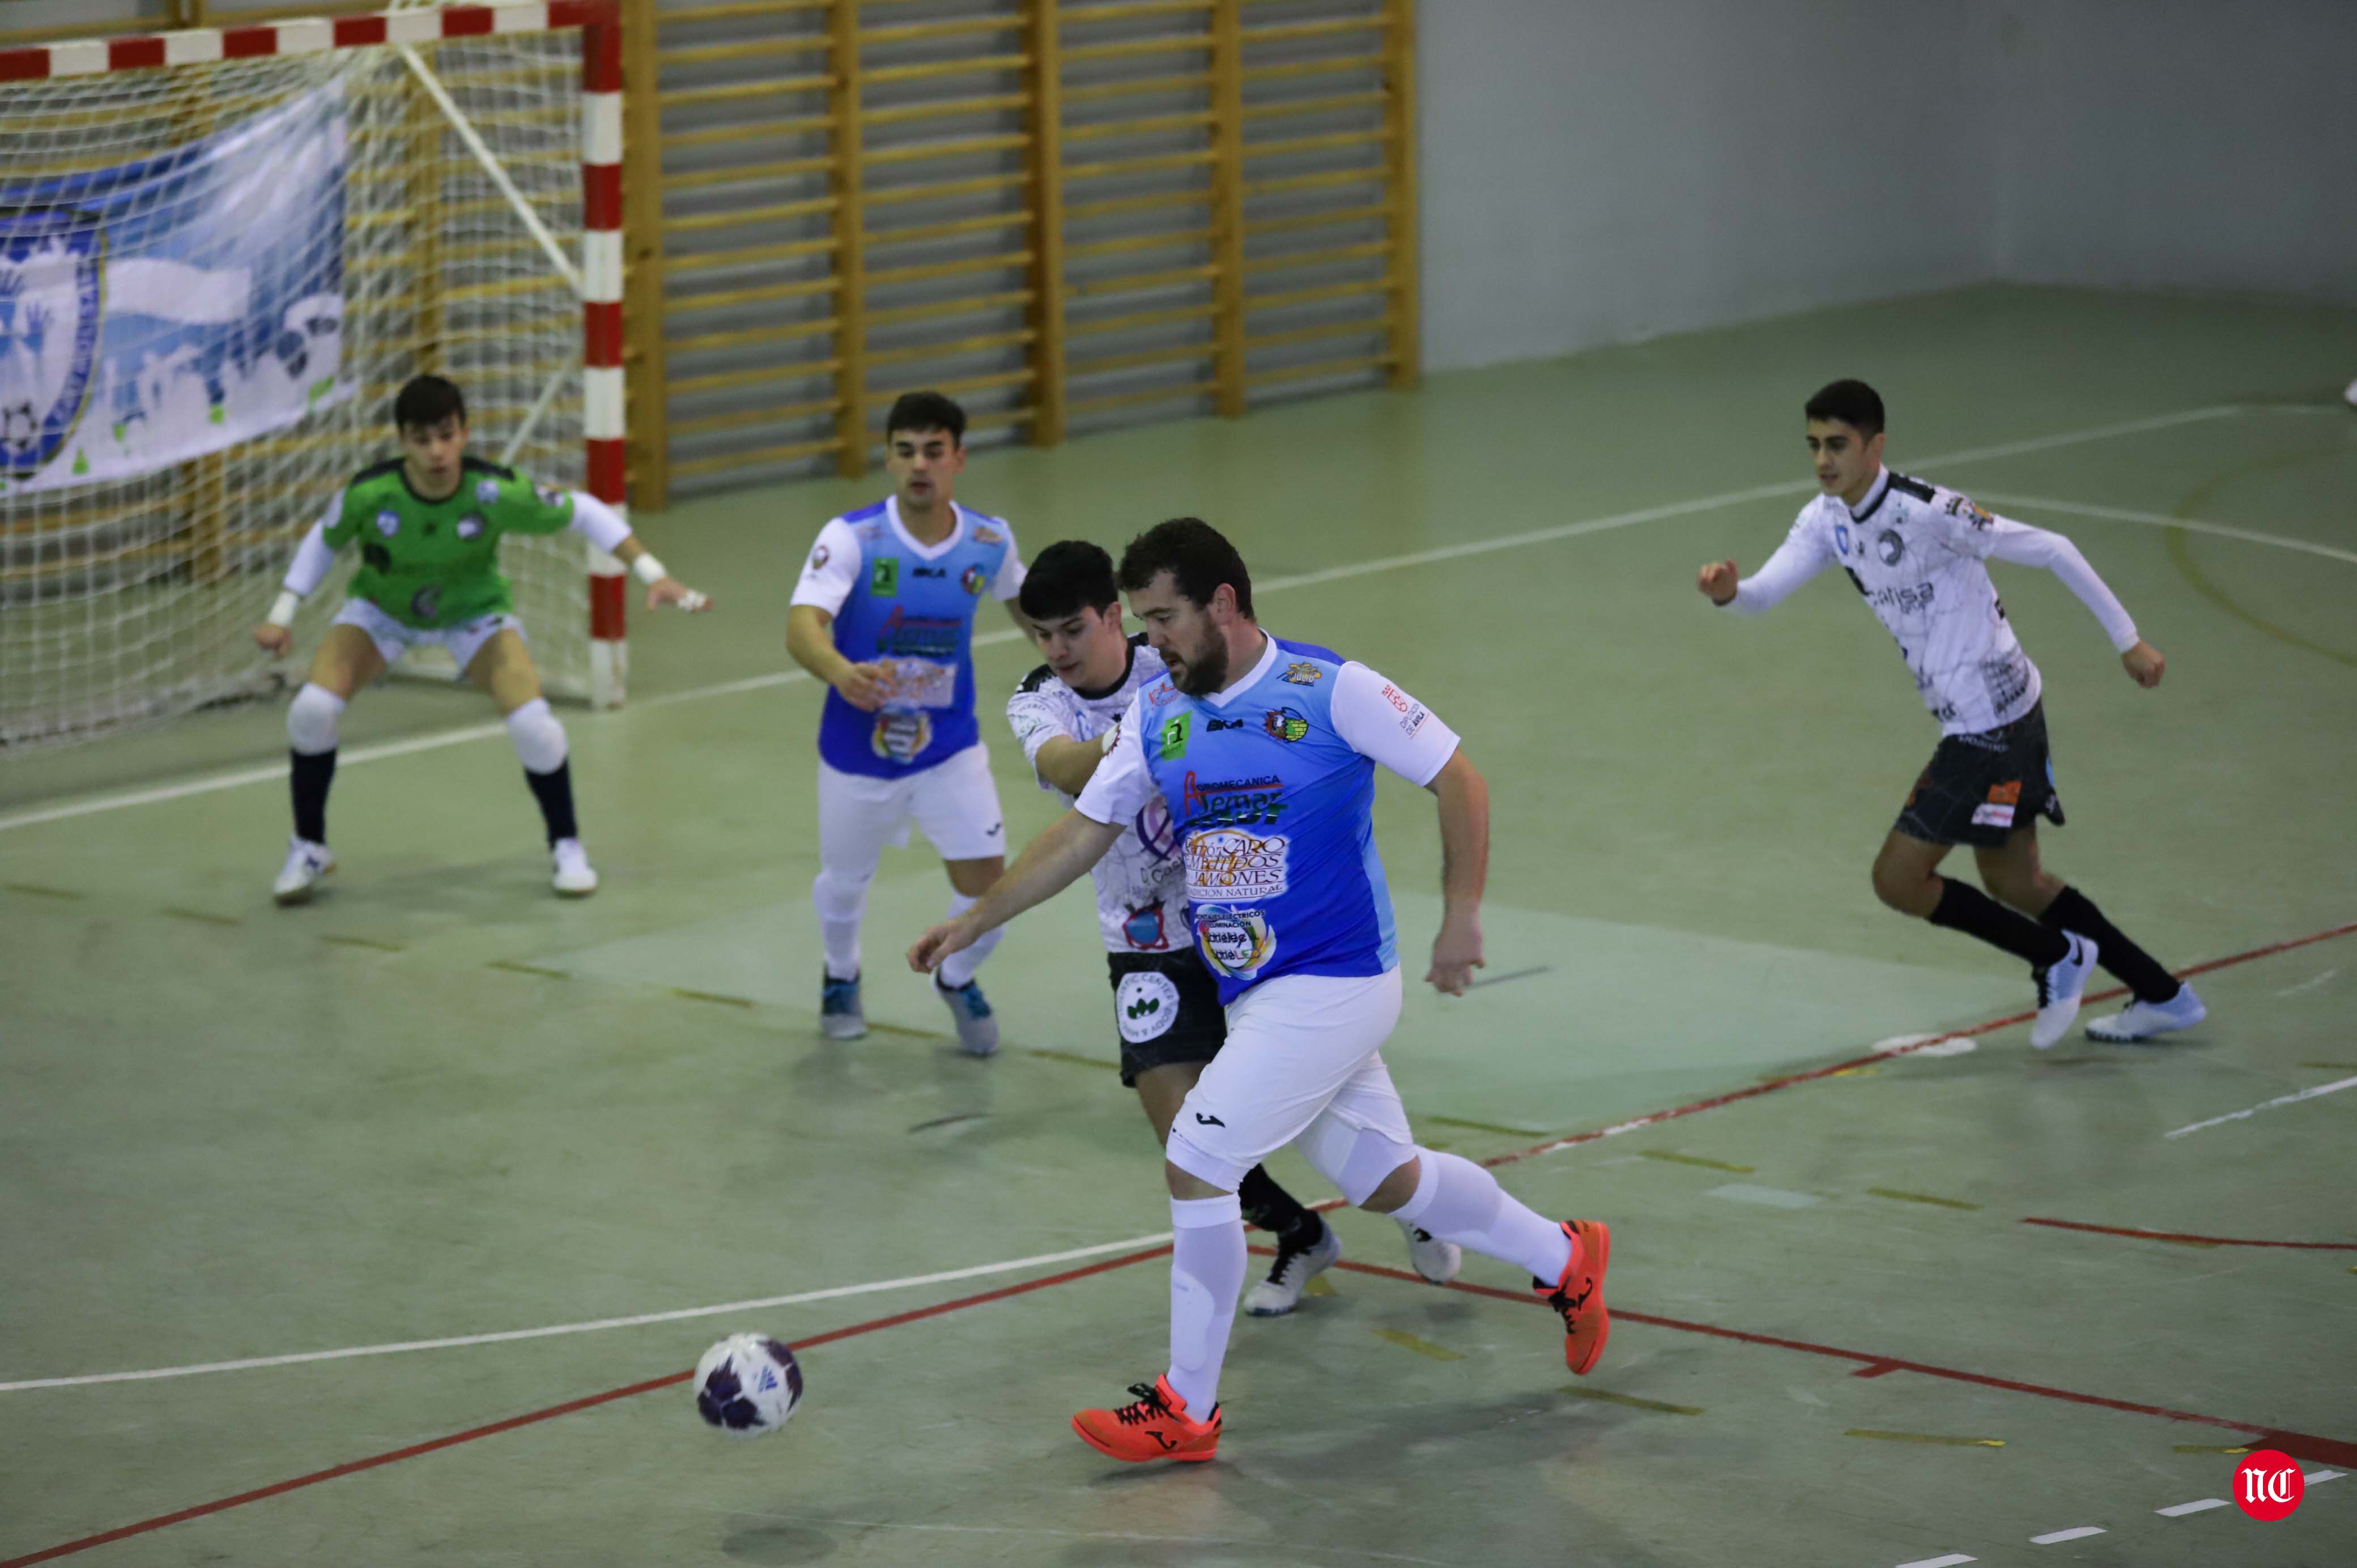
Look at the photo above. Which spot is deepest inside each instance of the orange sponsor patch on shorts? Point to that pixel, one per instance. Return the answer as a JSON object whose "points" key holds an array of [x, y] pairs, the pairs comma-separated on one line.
{"points": [[2006, 794]]}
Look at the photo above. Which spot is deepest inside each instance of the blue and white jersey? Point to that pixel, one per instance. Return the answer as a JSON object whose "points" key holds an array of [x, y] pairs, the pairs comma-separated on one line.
{"points": [[908, 607], [1270, 788]]}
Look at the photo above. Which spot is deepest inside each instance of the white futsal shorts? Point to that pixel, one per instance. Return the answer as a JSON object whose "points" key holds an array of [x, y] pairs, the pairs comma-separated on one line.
{"points": [[393, 638], [1303, 1060], [955, 801]]}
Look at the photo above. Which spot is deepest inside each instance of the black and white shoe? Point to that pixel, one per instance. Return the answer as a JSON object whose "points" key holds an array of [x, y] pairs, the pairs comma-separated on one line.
{"points": [[1295, 1267], [2059, 987], [1433, 1258]]}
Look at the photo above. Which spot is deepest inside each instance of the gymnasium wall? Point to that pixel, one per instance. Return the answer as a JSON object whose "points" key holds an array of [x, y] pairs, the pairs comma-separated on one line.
{"points": [[1596, 173]]}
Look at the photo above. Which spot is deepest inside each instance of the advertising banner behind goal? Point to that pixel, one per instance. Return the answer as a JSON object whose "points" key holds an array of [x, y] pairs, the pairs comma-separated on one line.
{"points": [[156, 311]]}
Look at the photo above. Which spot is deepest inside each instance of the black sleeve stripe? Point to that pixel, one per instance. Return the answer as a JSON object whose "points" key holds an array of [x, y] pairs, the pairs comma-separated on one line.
{"points": [[1912, 487], [1037, 680]]}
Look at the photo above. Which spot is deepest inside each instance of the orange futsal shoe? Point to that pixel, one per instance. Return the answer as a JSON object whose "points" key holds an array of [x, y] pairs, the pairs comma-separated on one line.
{"points": [[1579, 1294], [1156, 1426]]}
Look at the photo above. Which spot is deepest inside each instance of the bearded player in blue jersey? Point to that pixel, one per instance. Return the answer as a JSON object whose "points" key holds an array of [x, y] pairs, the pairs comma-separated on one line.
{"points": [[884, 614], [1265, 752]]}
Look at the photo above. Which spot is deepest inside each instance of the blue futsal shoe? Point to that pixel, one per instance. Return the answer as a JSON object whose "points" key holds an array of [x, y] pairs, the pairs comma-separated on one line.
{"points": [[977, 1027], [840, 1015]]}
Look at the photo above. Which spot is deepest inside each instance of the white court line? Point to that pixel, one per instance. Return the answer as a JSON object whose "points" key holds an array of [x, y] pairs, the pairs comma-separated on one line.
{"points": [[2122, 515], [1950, 1561], [682, 1315], [277, 771], [2307, 984], [2333, 1088], [2054, 1537], [2180, 1510]]}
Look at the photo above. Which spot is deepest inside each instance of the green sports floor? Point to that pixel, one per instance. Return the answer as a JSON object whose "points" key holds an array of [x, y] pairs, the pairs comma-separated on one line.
{"points": [[475, 1175]]}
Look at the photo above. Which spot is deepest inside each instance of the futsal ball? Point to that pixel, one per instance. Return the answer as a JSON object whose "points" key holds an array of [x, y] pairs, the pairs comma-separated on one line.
{"points": [[747, 1384]]}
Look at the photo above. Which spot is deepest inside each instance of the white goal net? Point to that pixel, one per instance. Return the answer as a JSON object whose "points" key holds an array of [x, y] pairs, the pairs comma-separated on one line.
{"points": [[214, 278]]}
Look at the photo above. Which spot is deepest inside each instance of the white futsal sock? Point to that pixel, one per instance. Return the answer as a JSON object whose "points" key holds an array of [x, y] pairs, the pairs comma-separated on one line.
{"points": [[959, 967], [840, 901], [1458, 1201], [1207, 1275]]}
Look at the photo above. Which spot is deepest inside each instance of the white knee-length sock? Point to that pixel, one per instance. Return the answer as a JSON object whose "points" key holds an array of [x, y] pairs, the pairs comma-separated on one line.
{"points": [[1207, 1275], [959, 967], [840, 901], [1458, 1201]]}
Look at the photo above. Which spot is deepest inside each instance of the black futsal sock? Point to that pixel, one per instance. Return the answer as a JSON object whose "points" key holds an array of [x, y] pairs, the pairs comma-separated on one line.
{"points": [[2144, 974], [1966, 908], [553, 790], [308, 781], [1277, 1211]]}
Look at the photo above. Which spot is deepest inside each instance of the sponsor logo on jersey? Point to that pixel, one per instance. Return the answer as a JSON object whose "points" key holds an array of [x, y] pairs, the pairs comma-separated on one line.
{"points": [[1161, 692], [1231, 803], [1285, 724], [1156, 832], [471, 527], [1397, 698], [1906, 601], [1143, 929], [972, 580], [1228, 863], [899, 735], [1415, 720], [1173, 739], [920, 636], [883, 578], [1302, 674], [985, 535], [487, 492], [1235, 943], [1963, 508], [1986, 816], [550, 495], [819, 557], [423, 603], [1215, 725], [1889, 546], [940, 572], [1146, 1004], [388, 522]]}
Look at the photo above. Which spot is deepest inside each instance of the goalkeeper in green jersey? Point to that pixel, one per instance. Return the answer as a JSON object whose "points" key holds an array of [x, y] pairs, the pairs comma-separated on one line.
{"points": [[428, 526]]}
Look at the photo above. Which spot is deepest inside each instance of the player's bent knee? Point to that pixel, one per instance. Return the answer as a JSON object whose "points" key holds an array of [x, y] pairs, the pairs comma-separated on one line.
{"points": [[539, 736], [1192, 1171], [1394, 1191], [1357, 1160], [312, 719]]}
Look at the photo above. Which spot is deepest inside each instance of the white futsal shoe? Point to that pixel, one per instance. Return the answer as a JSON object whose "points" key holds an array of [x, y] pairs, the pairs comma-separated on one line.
{"points": [[575, 876], [305, 864], [1435, 1259], [2143, 1020], [1295, 1267], [2059, 987]]}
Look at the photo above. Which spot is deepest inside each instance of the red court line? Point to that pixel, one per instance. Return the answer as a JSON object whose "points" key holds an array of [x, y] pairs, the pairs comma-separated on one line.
{"points": [[2311, 1447], [552, 1412], [1990, 1027], [2182, 1236], [2330, 1450]]}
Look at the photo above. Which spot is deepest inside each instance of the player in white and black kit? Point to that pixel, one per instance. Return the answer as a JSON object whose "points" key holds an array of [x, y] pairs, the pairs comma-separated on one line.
{"points": [[1166, 1004], [1917, 552]]}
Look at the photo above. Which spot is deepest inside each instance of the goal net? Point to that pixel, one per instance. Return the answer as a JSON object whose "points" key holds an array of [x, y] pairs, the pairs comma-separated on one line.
{"points": [[214, 274]]}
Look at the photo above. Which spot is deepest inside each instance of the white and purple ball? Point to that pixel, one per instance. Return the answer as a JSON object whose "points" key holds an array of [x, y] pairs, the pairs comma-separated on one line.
{"points": [[748, 1385]]}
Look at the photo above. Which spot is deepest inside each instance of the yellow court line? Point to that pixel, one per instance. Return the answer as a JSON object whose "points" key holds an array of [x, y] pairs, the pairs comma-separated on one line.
{"points": [[516, 966], [1925, 1437], [1421, 1347], [180, 914], [1631, 1401], [688, 994], [370, 942], [1919, 1197], [1695, 1160]]}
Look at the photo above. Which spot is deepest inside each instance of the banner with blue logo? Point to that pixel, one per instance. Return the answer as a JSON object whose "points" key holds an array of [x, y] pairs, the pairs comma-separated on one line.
{"points": [[153, 311]]}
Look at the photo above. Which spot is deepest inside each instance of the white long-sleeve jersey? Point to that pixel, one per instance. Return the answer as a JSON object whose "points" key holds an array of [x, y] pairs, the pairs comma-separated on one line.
{"points": [[1917, 552]]}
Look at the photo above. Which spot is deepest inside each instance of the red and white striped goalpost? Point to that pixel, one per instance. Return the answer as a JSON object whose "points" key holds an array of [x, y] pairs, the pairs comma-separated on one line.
{"points": [[599, 23]]}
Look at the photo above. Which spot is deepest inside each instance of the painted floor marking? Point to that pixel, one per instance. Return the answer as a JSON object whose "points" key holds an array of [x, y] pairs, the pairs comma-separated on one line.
{"points": [[2321, 1089], [2179, 1509], [2056, 1537], [2315, 1475], [1122, 1535], [1407, 1341], [1766, 1197], [683, 1314], [1925, 1437], [2199, 1240], [2309, 984], [1696, 1160], [1631, 1401], [1950, 1561], [1893, 1192], [276, 772]]}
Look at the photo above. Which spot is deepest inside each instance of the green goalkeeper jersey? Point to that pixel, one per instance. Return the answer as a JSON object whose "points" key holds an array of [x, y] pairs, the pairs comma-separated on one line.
{"points": [[436, 564]]}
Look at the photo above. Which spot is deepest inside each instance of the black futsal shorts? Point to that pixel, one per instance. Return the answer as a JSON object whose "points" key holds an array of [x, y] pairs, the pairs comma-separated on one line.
{"points": [[1166, 1008], [1979, 788]]}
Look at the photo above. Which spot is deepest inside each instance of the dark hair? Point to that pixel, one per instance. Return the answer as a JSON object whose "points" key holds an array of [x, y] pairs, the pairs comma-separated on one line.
{"points": [[1853, 403], [428, 401], [925, 411], [1194, 553], [1069, 577]]}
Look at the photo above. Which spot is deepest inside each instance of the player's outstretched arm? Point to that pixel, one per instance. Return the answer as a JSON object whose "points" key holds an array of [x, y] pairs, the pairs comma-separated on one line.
{"points": [[1464, 797], [604, 527], [1049, 864]]}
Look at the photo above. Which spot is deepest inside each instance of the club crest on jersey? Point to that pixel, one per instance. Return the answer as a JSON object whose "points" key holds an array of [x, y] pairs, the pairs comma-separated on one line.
{"points": [[900, 735], [818, 558], [549, 495], [52, 306], [971, 580], [1173, 739], [1285, 724], [883, 578], [1302, 674], [471, 527], [1234, 942], [1889, 546], [1142, 929], [1965, 510], [1841, 537], [1229, 863], [388, 522], [487, 492]]}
